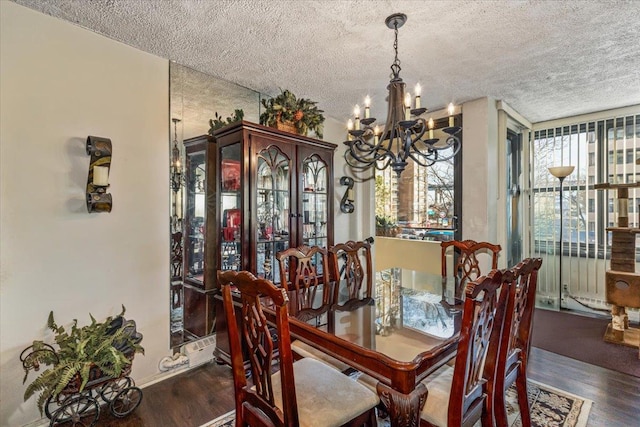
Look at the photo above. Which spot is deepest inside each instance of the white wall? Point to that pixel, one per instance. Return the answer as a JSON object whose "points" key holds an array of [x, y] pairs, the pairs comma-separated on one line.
{"points": [[59, 84], [480, 181]]}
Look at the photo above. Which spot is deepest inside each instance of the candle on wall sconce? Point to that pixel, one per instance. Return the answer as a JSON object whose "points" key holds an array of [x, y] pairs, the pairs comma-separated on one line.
{"points": [[100, 149], [100, 176]]}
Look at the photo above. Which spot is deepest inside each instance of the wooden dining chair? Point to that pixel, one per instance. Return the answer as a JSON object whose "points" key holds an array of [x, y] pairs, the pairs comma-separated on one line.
{"points": [[352, 274], [305, 393], [304, 271], [466, 265], [458, 396], [513, 351]]}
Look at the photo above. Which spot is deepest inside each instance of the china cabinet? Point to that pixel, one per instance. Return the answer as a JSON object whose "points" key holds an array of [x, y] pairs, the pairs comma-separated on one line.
{"points": [[198, 291], [274, 191]]}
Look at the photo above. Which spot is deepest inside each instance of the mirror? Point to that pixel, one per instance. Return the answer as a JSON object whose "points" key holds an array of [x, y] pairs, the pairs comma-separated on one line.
{"points": [[195, 98]]}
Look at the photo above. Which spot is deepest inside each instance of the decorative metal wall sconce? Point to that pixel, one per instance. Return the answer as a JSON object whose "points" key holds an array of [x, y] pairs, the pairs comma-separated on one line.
{"points": [[98, 200], [346, 204]]}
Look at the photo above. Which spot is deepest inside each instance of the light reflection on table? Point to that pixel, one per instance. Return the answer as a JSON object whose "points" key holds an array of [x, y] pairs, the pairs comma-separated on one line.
{"points": [[407, 318]]}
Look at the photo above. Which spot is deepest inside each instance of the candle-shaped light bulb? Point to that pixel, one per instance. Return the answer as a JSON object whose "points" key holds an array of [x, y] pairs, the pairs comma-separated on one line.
{"points": [[349, 128], [418, 92], [407, 106], [356, 113], [431, 125], [376, 134], [452, 110], [367, 104]]}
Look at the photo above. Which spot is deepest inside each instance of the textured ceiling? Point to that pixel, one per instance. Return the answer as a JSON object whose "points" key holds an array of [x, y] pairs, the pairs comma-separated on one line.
{"points": [[547, 59]]}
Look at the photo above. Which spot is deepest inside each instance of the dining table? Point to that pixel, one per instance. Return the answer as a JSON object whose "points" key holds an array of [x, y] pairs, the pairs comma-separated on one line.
{"points": [[404, 333]]}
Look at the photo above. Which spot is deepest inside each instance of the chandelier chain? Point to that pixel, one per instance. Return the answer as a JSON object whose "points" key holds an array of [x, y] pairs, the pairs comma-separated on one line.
{"points": [[395, 67]]}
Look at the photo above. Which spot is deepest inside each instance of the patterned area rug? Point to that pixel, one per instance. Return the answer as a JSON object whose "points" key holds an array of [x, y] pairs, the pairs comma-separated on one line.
{"points": [[550, 407]]}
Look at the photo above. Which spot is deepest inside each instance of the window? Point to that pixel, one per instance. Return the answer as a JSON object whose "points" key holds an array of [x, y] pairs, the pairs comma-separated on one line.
{"points": [[618, 159], [587, 211], [423, 197], [630, 156]]}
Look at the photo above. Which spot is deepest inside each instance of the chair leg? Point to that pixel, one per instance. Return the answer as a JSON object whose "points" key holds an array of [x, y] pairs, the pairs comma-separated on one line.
{"points": [[373, 420], [499, 409], [523, 399], [487, 414]]}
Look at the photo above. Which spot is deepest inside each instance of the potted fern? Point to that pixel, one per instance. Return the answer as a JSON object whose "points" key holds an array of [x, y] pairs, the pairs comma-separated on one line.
{"points": [[218, 122], [287, 112], [101, 349]]}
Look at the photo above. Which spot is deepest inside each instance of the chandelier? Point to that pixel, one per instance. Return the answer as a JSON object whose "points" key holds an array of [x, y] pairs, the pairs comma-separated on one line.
{"points": [[177, 178], [406, 134]]}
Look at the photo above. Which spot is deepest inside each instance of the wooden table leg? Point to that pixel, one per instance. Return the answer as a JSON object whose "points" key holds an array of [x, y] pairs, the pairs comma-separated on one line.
{"points": [[404, 409]]}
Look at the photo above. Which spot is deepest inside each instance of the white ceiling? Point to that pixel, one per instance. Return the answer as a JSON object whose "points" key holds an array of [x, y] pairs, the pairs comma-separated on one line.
{"points": [[547, 59]]}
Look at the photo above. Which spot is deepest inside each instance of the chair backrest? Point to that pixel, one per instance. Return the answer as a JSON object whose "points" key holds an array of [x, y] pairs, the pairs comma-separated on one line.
{"points": [[303, 271], [518, 317], [467, 397], [255, 403], [352, 274], [466, 265], [511, 338]]}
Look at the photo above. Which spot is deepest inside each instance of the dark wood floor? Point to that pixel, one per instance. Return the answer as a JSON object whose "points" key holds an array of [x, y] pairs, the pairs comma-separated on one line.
{"points": [[197, 396]]}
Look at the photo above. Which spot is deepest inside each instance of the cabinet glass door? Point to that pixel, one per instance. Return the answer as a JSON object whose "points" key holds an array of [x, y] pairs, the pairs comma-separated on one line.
{"points": [[195, 217], [314, 201], [231, 209], [272, 210]]}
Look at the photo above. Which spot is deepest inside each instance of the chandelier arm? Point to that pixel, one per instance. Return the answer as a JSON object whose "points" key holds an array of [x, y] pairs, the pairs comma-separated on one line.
{"points": [[378, 163], [424, 159], [364, 152], [452, 142]]}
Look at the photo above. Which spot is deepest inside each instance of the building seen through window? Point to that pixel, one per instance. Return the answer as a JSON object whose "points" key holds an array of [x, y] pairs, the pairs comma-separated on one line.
{"points": [[417, 205]]}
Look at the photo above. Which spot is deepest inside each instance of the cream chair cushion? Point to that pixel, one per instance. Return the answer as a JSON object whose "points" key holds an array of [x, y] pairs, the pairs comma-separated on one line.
{"points": [[325, 396], [305, 350], [437, 405]]}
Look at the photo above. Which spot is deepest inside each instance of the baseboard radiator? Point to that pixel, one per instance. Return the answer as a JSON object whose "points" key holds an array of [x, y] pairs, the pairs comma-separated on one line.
{"points": [[200, 351]]}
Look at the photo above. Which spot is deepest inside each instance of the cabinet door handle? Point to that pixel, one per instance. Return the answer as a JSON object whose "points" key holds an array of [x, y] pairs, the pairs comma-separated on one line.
{"points": [[293, 215]]}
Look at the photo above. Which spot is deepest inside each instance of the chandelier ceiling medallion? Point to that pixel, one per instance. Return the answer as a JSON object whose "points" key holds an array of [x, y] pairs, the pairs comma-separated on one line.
{"points": [[406, 133]]}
